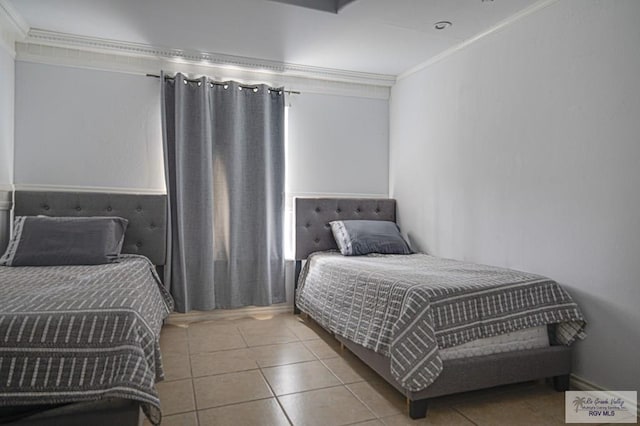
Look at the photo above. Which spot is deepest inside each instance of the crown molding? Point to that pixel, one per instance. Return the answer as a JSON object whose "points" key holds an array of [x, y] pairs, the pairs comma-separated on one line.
{"points": [[101, 189], [466, 43], [12, 27], [56, 48], [14, 18], [79, 58], [52, 38]]}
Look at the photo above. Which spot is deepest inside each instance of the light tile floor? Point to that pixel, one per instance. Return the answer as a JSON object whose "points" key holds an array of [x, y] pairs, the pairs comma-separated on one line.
{"points": [[283, 369]]}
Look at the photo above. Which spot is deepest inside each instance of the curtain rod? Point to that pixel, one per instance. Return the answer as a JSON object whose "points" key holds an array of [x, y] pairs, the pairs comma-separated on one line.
{"points": [[218, 83]]}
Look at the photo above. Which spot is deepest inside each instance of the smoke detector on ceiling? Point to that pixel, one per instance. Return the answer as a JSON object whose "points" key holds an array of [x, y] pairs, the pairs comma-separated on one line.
{"points": [[441, 25]]}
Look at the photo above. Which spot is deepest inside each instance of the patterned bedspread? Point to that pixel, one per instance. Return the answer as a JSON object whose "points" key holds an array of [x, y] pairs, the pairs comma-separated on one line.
{"points": [[80, 333], [406, 307]]}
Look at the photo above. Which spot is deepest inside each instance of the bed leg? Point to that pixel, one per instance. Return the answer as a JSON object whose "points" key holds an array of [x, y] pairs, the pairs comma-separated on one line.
{"points": [[296, 275], [561, 383], [418, 408]]}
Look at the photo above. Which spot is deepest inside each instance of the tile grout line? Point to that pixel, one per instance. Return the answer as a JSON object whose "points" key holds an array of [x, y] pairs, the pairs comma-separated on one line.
{"points": [[364, 403], [197, 411], [317, 358], [342, 384], [286, 415], [193, 385], [231, 404], [311, 390], [190, 378], [259, 368], [193, 381], [346, 385], [246, 344], [461, 413]]}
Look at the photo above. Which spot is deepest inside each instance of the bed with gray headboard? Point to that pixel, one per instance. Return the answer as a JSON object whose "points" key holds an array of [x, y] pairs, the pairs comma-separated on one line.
{"points": [[313, 234], [313, 215], [147, 215], [146, 236]]}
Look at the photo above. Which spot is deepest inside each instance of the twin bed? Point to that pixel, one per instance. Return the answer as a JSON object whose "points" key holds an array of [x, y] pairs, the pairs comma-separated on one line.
{"points": [[430, 326], [80, 344]]}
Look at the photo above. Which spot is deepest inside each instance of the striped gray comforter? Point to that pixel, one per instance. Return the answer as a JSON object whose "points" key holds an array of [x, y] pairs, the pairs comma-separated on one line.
{"points": [[407, 307], [81, 333]]}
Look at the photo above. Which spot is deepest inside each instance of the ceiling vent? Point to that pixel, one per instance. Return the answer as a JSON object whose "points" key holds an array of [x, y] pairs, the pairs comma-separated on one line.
{"points": [[332, 6]]}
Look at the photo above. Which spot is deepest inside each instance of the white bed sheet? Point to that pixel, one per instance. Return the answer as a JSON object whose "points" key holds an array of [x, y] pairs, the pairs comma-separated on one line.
{"points": [[528, 338]]}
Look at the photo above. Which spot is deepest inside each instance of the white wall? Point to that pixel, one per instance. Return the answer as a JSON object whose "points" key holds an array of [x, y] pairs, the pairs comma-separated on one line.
{"points": [[79, 127], [338, 145], [522, 150], [7, 79], [7, 84]]}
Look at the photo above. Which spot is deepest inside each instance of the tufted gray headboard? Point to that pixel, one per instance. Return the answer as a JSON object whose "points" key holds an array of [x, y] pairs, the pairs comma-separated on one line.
{"points": [[313, 215], [147, 215]]}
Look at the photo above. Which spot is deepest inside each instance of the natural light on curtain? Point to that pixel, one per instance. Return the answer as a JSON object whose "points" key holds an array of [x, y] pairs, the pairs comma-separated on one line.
{"points": [[289, 232], [225, 171]]}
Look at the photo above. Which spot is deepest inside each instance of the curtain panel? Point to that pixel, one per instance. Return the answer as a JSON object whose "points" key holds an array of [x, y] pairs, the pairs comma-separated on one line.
{"points": [[224, 167]]}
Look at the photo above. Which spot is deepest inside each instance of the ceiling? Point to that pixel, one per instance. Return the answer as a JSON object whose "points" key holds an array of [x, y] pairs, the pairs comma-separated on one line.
{"points": [[375, 36]]}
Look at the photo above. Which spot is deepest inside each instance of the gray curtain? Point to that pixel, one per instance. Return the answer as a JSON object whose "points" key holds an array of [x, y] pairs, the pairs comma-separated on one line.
{"points": [[224, 167]]}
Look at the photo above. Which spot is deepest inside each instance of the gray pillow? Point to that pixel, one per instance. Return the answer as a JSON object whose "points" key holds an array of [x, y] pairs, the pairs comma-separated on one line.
{"points": [[49, 241], [357, 237]]}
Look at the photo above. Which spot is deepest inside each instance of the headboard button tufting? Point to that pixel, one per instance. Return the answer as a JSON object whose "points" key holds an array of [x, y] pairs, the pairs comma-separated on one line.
{"points": [[144, 237], [313, 217]]}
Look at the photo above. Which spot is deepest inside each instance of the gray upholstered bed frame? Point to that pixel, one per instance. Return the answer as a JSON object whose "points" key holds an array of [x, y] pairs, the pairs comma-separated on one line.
{"points": [[459, 375], [313, 215], [147, 215], [146, 235]]}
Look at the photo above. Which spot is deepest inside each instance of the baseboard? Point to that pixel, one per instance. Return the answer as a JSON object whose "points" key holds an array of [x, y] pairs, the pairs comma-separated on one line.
{"points": [[229, 314], [6, 197], [579, 383], [582, 384]]}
